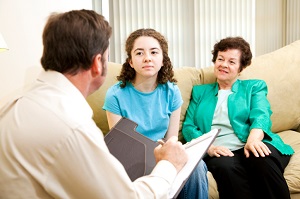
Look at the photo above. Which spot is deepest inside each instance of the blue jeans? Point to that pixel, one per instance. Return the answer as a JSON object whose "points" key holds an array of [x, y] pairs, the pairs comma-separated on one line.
{"points": [[197, 184]]}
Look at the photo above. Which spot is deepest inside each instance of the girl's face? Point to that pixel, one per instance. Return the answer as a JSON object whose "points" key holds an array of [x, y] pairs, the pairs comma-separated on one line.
{"points": [[146, 57], [227, 66]]}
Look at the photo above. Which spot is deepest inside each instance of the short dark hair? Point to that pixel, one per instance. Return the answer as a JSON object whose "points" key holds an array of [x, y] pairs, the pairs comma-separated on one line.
{"points": [[234, 43], [72, 39]]}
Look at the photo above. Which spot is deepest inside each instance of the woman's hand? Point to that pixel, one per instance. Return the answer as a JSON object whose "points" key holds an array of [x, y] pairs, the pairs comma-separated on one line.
{"points": [[218, 151], [255, 145]]}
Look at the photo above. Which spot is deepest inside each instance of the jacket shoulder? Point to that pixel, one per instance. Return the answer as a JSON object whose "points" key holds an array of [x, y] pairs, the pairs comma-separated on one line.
{"points": [[259, 83]]}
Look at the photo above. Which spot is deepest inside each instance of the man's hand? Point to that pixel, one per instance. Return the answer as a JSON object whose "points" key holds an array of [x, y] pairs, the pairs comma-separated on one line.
{"points": [[172, 151]]}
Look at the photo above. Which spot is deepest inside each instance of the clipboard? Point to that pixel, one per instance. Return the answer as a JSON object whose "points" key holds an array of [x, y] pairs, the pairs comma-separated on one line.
{"points": [[136, 152], [195, 149]]}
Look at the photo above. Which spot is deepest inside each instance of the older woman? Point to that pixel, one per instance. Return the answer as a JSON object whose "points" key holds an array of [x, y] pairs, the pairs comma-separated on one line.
{"points": [[247, 160]]}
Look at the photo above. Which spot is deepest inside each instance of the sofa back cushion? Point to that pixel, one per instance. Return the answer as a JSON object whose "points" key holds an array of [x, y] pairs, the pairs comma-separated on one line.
{"points": [[187, 77], [281, 71]]}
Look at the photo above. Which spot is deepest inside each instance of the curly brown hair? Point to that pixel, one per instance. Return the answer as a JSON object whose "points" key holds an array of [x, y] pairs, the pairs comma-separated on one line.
{"points": [[234, 43], [166, 72]]}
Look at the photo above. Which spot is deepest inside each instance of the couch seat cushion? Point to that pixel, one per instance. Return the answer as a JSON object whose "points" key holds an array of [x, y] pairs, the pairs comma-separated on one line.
{"points": [[292, 171]]}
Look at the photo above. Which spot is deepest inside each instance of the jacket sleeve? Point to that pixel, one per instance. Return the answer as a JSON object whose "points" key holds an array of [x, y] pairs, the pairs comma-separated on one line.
{"points": [[260, 109], [189, 128]]}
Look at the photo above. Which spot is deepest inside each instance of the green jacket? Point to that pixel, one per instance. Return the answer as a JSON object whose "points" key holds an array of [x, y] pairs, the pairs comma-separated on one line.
{"points": [[248, 108]]}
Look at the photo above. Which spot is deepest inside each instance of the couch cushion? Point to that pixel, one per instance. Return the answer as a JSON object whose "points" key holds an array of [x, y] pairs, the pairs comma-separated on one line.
{"points": [[212, 186], [280, 69], [292, 171], [186, 77], [207, 75]]}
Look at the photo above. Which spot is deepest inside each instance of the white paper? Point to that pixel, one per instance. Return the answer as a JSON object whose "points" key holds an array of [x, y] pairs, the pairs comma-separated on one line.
{"points": [[195, 150]]}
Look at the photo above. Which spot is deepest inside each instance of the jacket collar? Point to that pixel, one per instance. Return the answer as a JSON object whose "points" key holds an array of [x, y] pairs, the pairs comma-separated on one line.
{"points": [[234, 87]]}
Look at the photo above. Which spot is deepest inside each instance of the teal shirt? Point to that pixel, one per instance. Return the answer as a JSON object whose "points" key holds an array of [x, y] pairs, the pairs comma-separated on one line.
{"points": [[150, 110], [248, 108]]}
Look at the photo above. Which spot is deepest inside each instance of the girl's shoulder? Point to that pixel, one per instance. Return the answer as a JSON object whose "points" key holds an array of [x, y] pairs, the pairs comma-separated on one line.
{"points": [[169, 85], [116, 88]]}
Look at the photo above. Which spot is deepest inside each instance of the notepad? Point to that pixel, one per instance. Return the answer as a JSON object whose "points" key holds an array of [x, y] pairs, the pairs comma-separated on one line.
{"points": [[195, 150], [136, 152]]}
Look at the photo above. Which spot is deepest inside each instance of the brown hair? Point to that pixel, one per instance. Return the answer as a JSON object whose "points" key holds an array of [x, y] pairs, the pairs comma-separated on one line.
{"points": [[166, 72], [72, 39], [234, 43]]}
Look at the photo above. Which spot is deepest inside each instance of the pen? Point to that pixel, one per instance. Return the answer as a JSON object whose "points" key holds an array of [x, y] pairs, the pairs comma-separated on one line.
{"points": [[161, 142]]}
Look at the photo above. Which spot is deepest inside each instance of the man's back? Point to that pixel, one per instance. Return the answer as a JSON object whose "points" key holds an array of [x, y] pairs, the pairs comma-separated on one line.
{"points": [[33, 133]]}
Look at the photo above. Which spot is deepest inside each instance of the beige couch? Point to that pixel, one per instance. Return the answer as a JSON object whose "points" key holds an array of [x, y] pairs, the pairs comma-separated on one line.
{"points": [[280, 69]]}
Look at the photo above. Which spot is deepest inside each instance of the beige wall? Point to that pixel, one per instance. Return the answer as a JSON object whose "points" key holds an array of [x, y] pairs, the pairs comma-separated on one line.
{"points": [[21, 24]]}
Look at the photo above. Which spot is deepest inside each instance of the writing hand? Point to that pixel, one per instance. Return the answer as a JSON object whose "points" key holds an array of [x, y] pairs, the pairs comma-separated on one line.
{"points": [[173, 151]]}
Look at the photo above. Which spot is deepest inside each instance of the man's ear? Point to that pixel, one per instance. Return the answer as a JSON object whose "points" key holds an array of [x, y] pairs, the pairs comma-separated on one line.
{"points": [[97, 68]]}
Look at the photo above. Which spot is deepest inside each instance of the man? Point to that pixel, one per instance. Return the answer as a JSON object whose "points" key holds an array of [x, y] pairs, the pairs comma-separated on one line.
{"points": [[49, 145]]}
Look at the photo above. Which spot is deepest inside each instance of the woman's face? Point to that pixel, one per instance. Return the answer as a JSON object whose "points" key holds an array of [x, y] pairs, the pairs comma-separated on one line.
{"points": [[146, 57], [227, 66]]}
